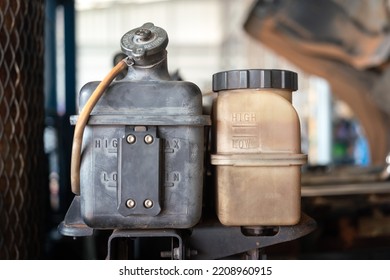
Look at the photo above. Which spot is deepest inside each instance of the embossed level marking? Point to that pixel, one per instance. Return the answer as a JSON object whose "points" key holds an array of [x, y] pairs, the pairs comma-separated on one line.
{"points": [[245, 143], [113, 177], [172, 178], [110, 145], [243, 117], [109, 180], [171, 145]]}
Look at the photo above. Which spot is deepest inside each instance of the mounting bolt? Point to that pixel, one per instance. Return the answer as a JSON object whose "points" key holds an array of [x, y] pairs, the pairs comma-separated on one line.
{"points": [[130, 139], [174, 255], [190, 253], [148, 139], [130, 203], [148, 203]]}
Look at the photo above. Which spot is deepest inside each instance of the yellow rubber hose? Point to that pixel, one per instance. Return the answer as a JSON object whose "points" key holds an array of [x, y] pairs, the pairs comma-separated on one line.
{"points": [[82, 122]]}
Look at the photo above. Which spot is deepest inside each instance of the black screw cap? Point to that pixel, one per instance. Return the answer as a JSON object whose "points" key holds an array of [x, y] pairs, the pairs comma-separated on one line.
{"points": [[255, 78]]}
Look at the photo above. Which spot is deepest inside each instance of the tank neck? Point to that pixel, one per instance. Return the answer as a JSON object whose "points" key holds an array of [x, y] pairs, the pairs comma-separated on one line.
{"points": [[286, 94], [151, 72]]}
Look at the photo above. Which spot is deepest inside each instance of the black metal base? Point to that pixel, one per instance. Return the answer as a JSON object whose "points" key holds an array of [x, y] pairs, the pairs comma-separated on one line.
{"points": [[207, 240]]}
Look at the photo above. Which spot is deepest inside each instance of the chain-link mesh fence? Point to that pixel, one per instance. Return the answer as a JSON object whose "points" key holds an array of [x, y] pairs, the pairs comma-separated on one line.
{"points": [[22, 164]]}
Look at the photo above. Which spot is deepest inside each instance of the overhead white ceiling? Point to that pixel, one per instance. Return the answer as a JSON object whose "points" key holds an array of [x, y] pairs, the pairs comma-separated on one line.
{"points": [[96, 4]]}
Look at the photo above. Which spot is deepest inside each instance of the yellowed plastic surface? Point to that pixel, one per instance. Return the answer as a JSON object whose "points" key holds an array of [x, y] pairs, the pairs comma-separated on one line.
{"points": [[258, 158], [251, 196]]}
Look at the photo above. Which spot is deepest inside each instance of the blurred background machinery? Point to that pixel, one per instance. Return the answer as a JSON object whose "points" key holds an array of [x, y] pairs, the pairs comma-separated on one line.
{"points": [[347, 44]]}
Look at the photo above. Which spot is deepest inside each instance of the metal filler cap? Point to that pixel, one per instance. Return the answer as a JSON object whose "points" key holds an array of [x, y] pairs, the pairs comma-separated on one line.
{"points": [[255, 78], [144, 41]]}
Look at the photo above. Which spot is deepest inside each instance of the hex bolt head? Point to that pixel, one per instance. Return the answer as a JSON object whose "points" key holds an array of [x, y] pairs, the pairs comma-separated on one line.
{"points": [[130, 139], [143, 34], [130, 203], [148, 203], [148, 139]]}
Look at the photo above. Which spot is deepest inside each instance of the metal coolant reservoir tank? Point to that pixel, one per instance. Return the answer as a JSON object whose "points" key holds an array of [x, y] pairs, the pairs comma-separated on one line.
{"points": [[257, 148], [142, 157]]}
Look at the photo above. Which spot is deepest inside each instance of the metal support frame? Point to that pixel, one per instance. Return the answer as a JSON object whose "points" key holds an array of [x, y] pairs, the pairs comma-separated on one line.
{"points": [[176, 251], [214, 241]]}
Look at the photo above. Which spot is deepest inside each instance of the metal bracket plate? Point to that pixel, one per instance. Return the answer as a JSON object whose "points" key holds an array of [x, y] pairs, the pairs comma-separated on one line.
{"points": [[73, 224], [139, 172], [215, 241]]}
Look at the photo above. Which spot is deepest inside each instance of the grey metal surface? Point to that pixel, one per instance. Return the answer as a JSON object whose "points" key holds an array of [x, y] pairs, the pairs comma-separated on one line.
{"points": [[132, 97], [22, 163], [178, 120]]}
